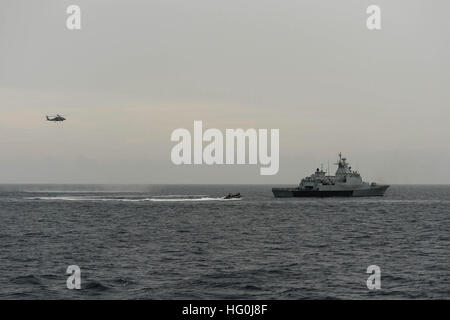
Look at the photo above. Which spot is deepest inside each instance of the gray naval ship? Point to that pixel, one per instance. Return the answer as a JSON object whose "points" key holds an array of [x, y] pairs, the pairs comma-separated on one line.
{"points": [[345, 183]]}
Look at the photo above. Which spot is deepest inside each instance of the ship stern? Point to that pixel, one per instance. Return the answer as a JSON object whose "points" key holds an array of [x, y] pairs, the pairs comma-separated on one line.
{"points": [[373, 191]]}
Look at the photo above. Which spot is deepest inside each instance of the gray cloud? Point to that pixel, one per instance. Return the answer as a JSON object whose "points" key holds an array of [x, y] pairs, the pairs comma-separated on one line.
{"points": [[139, 69]]}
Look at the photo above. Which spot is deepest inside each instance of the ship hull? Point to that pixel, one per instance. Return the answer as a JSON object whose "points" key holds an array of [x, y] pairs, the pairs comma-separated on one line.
{"points": [[375, 191]]}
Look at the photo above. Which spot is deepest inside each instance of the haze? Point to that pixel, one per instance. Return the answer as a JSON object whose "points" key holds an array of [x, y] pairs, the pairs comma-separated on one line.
{"points": [[137, 70]]}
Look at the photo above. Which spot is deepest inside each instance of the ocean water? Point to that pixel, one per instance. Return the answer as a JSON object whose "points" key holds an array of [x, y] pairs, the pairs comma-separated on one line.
{"points": [[185, 242]]}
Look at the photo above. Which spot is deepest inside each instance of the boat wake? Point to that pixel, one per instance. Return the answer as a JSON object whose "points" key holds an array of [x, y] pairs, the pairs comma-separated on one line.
{"points": [[152, 199]]}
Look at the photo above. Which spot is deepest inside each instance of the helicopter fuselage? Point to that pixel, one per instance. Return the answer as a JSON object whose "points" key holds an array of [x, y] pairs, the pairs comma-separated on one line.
{"points": [[56, 119]]}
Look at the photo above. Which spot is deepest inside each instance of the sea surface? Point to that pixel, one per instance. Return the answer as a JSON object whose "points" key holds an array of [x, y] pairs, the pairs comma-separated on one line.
{"points": [[185, 242]]}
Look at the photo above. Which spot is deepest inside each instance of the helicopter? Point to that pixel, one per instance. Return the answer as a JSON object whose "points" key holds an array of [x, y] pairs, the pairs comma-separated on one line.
{"points": [[56, 118]]}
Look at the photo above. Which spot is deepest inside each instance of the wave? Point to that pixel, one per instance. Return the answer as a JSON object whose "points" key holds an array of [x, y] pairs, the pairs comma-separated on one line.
{"points": [[96, 286], [27, 280]]}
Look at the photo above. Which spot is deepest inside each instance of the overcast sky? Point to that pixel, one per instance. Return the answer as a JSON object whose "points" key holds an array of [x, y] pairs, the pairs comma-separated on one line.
{"points": [[137, 70]]}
